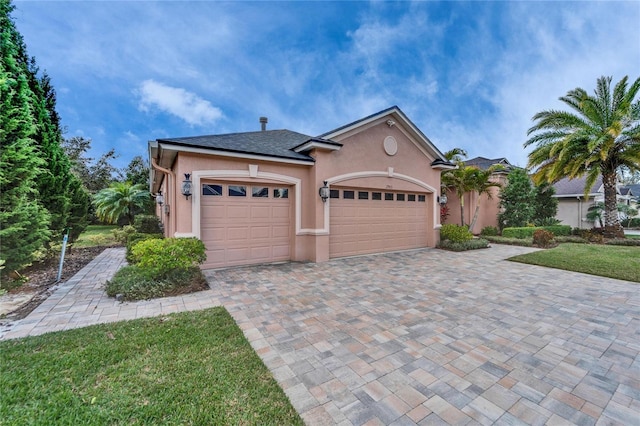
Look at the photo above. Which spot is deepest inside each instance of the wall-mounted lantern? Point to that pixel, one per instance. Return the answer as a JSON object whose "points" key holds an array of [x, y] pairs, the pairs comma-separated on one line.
{"points": [[324, 192], [187, 185], [159, 198], [442, 200]]}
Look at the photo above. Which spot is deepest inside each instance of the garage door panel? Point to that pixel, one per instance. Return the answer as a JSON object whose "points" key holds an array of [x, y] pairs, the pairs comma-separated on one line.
{"points": [[245, 230], [361, 226]]}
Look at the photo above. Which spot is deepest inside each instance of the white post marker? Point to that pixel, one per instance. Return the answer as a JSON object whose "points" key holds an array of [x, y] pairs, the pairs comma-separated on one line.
{"points": [[64, 248]]}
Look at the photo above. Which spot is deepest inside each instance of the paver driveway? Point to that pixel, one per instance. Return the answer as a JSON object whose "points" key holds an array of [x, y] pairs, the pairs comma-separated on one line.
{"points": [[432, 337]]}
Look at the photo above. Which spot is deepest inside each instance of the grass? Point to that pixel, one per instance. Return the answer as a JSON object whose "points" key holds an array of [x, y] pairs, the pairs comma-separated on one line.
{"points": [[96, 235], [187, 368], [619, 262]]}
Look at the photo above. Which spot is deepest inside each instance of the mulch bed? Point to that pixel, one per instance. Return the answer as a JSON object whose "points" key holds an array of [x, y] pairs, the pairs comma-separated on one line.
{"points": [[41, 277]]}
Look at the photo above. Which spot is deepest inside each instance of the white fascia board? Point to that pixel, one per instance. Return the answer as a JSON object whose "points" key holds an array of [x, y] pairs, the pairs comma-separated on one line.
{"points": [[311, 145], [220, 153]]}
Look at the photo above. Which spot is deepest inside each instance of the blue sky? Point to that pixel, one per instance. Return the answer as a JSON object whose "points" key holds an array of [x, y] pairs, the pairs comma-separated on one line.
{"points": [[468, 74]]}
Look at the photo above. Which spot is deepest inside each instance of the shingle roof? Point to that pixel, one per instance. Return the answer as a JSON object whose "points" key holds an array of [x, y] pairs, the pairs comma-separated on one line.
{"points": [[272, 143], [484, 163], [634, 188], [575, 186]]}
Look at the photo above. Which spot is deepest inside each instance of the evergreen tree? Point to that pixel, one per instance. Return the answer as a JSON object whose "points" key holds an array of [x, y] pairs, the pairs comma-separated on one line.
{"points": [[546, 205], [80, 202], [516, 200], [24, 222]]}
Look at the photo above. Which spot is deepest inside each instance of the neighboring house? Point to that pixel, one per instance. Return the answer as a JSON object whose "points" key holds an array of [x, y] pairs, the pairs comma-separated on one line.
{"points": [[256, 196], [489, 208], [573, 206]]}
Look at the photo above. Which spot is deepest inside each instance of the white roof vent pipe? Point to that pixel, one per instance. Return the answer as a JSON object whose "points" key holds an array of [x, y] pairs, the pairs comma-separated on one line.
{"points": [[263, 123]]}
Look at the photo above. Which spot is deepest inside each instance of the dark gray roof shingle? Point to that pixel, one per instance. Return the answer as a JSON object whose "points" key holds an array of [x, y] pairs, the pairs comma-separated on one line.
{"points": [[272, 143], [484, 163], [575, 186]]}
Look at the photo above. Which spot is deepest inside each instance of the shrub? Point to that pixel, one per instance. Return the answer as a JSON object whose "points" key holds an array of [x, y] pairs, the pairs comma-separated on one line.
{"points": [[510, 241], [147, 224], [134, 239], [122, 234], [593, 235], [455, 233], [527, 232], [570, 239], [473, 244], [623, 242], [634, 223], [133, 283], [543, 238], [558, 230], [160, 256], [488, 231], [547, 221]]}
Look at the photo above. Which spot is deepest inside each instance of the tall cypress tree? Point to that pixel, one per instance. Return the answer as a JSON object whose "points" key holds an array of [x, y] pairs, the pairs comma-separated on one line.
{"points": [[24, 222]]}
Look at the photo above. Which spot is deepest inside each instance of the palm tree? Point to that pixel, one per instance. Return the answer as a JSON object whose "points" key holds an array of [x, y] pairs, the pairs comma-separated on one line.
{"points": [[120, 199], [456, 180], [466, 179], [482, 184], [600, 139]]}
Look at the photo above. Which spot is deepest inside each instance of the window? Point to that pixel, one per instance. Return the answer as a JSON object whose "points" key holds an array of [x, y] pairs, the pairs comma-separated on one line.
{"points": [[363, 195], [260, 191], [212, 190], [348, 195], [388, 196], [376, 195], [334, 193], [280, 193], [237, 191], [400, 197], [411, 197], [421, 198]]}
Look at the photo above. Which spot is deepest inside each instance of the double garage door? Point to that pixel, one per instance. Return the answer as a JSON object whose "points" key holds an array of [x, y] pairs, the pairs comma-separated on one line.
{"points": [[243, 224], [374, 221]]}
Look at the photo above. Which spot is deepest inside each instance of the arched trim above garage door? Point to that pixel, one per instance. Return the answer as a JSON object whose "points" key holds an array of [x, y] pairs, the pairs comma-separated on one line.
{"points": [[389, 173], [251, 173]]}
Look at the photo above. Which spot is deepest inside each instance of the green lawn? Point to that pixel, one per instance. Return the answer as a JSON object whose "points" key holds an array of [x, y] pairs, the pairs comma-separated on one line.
{"points": [[188, 368], [96, 235], [619, 262]]}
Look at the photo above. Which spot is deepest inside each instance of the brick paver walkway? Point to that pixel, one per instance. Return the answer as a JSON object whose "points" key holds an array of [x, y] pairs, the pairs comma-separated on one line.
{"points": [[420, 337], [82, 301]]}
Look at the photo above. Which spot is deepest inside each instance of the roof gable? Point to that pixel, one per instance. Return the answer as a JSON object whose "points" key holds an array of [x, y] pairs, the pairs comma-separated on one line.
{"points": [[484, 163], [393, 117]]}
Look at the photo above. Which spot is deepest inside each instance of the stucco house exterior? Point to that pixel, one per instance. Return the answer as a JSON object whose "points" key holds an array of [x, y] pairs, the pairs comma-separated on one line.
{"points": [[489, 207], [573, 206], [256, 196]]}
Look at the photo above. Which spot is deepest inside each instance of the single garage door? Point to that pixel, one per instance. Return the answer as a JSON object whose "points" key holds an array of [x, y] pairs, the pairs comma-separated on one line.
{"points": [[243, 224], [375, 221]]}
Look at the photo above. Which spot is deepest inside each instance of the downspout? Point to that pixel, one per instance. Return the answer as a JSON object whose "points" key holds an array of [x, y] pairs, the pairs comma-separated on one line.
{"points": [[170, 193], [579, 212]]}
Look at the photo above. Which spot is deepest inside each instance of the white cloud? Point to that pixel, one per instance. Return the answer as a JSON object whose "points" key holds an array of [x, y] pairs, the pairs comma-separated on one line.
{"points": [[177, 101]]}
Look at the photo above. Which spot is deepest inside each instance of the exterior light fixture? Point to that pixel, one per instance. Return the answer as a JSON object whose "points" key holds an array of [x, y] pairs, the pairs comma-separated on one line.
{"points": [[324, 192], [442, 199], [159, 198], [186, 185]]}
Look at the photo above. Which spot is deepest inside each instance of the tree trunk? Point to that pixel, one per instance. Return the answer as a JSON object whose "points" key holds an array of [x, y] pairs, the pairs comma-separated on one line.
{"points": [[475, 218], [462, 210], [612, 227]]}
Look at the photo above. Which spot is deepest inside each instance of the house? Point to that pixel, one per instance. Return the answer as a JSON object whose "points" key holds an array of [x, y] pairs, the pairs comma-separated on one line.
{"points": [[573, 206], [489, 207], [276, 195]]}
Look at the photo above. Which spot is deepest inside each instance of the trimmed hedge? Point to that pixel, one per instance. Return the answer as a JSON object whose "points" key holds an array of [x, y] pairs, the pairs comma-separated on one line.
{"points": [[476, 243], [527, 232], [134, 239]]}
